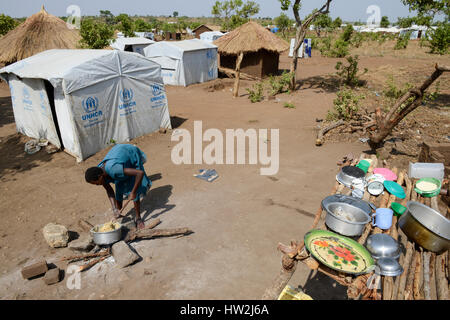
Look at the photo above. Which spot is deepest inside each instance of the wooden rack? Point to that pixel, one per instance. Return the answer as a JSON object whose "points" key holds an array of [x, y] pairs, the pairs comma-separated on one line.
{"points": [[425, 274]]}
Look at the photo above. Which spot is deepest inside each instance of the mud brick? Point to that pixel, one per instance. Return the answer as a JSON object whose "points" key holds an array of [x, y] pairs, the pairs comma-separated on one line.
{"points": [[35, 269], [52, 276]]}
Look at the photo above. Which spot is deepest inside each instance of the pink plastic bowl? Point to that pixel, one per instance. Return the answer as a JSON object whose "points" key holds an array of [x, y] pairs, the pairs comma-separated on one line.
{"points": [[386, 173]]}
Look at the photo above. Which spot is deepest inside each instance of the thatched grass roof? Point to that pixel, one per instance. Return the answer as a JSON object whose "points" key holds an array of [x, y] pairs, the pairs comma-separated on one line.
{"points": [[42, 31], [250, 37]]}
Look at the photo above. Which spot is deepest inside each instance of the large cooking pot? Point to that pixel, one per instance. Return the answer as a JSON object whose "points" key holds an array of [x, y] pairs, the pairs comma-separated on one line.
{"points": [[107, 238], [346, 219], [426, 227]]}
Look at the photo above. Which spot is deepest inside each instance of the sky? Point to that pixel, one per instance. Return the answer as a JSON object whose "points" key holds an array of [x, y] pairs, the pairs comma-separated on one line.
{"points": [[348, 10]]}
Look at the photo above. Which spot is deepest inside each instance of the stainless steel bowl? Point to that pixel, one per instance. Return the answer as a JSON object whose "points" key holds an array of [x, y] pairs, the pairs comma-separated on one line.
{"points": [[363, 205], [383, 246], [426, 227], [388, 267], [346, 219], [348, 174], [106, 238]]}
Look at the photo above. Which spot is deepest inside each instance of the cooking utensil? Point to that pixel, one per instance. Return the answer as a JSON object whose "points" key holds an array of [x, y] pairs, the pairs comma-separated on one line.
{"points": [[348, 173], [382, 218], [432, 193], [363, 205], [346, 219], [382, 246], [388, 267], [395, 189], [106, 238], [426, 227], [338, 252], [398, 208]]}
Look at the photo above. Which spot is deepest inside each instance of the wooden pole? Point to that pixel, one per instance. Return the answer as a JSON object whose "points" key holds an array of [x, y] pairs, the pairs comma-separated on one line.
{"points": [[238, 72], [441, 279], [403, 276], [426, 275]]}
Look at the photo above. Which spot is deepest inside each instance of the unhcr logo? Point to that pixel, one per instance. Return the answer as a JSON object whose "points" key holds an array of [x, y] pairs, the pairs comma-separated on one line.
{"points": [[126, 96], [157, 91], [90, 106]]}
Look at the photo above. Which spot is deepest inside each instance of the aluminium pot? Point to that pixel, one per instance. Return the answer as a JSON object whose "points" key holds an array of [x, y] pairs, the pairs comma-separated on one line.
{"points": [[426, 227], [107, 238], [346, 219]]}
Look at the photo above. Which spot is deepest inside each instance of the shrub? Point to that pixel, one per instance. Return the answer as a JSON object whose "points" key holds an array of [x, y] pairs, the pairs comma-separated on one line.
{"points": [[256, 93], [349, 73], [95, 35], [289, 105], [394, 92], [440, 39], [347, 34], [357, 40], [6, 24], [280, 84], [338, 49], [345, 105], [402, 41]]}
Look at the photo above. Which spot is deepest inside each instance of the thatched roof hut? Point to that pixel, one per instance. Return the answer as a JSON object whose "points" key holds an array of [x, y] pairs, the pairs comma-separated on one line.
{"points": [[260, 48], [42, 31]]}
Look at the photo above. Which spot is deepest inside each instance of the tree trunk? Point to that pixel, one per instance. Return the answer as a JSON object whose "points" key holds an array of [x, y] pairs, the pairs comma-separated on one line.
{"points": [[402, 108], [238, 72]]}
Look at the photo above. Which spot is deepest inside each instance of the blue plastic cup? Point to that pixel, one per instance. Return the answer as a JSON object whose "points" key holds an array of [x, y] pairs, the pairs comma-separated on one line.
{"points": [[382, 218]]}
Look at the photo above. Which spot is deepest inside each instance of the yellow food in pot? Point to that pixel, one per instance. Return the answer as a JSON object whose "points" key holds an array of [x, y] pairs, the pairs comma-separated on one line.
{"points": [[109, 226]]}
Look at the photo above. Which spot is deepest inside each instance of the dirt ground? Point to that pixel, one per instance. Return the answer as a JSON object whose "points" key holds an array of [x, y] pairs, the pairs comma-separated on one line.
{"points": [[237, 220]]}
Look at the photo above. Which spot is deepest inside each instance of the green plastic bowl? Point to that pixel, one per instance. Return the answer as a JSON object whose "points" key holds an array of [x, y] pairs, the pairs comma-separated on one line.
{"points": [[398, 208], [429, 194], [364, 165]]}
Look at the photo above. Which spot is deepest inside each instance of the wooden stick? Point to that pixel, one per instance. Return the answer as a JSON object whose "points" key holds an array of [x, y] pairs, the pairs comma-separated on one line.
{"points": [[410, 279], [132, 234], [403, 276], [426, 275], [397, 280], [86, 256], [323, 131], [92, 263], [441, 280], [238, 72], [388, 288], [417, 276], [288, 267], [433, 289], [149, 234]]}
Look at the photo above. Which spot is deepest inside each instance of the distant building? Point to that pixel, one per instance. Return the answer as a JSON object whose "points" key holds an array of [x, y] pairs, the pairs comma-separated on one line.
{"points": [[205, 28]]}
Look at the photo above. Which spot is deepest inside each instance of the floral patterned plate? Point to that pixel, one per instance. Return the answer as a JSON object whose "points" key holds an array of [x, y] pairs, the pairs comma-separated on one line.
{"points": [[338, 252]]}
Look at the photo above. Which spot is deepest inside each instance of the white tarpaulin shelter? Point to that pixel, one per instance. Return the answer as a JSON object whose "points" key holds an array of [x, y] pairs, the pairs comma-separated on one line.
{"points": [[184, 62], [211, 36], [132, 44], [83, 100]]}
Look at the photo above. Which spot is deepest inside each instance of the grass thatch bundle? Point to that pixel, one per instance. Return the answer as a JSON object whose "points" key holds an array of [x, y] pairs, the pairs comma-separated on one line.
{"points": [[250, 37], [42, 31]]}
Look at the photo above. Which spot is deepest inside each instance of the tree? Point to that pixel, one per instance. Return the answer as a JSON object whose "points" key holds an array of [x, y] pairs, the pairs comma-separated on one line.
{"points": [[234, 12], [175, 14], [95, 35], [322, 22], [337, 23], [141, 26], [384, 23], [429, 7], [283, 23], [6, 24], [302, 28], [126, 25], [108, 17]]}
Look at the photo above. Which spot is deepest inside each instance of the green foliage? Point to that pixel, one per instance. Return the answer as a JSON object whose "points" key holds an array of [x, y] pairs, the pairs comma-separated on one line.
{"points": [[347, 34], [440, 39], [169, 27], [175, 14], [95, 35], [6, 24], [429, 7], [345, 105], [194, 25], [357, 39], [336, 49], [126, 25], [280, 84], [256, 93], [289, 105], [349, 73], [108, 17], [402, 41], [384, 23], [283, 23], [392, 91], [337, 23], [141, 26], [322, 22], [234, 12]]}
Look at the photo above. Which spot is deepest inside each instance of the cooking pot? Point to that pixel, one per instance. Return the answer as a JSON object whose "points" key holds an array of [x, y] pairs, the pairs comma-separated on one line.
{"points": [[346, 219], [107, 238], [426, 227]]}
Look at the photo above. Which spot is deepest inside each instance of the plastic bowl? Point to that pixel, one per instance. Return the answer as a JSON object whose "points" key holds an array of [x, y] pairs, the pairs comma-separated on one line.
{"points": [[429, 194]]}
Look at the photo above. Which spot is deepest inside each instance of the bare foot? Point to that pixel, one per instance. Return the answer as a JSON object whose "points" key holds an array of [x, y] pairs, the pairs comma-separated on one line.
{"points": [[140, 224]]}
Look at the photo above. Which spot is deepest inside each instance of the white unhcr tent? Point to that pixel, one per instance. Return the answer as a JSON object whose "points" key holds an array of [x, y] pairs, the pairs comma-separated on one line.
{"points": [[82, 100], [184, 62], [133, 44], [211, 36]]}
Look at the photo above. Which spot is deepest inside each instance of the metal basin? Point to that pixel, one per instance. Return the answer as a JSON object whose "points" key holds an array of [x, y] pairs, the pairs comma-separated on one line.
{"points": [[359, 203], [388, 267], [426, 227], [106, 238], [383, 246], [346, 219], [348, 174]]}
